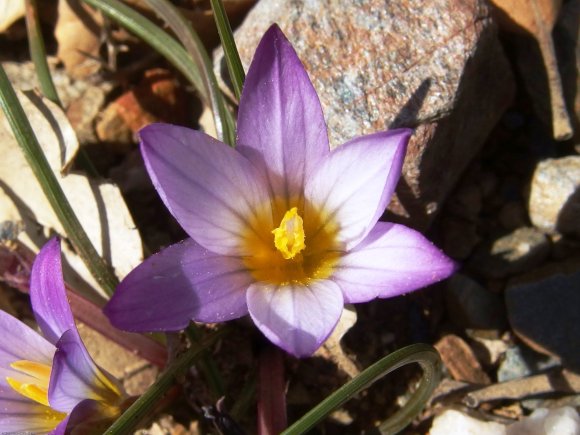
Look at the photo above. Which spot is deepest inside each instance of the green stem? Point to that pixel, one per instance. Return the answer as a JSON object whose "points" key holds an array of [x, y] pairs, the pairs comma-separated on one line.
{"points": [[425, 355], [38, 52], [207, 365], [231, 54], [50, 186], [144, 404]]}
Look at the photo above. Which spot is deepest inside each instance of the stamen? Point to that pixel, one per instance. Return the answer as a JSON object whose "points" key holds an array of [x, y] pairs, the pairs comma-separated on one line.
{"points": [[289, 237], [36, 390]]}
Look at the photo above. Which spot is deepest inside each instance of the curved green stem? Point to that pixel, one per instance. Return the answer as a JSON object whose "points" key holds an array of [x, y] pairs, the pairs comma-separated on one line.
{"points": [[426, 356], [145, 403]]}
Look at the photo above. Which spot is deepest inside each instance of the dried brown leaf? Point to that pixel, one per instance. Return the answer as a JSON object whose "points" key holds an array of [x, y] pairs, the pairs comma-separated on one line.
{"points": [[537, 18], [78, 35], [10, 12], [98, 205]]}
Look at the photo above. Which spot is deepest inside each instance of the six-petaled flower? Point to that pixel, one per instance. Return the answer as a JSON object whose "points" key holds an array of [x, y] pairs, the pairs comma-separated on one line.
{"points": [[282, 227]]}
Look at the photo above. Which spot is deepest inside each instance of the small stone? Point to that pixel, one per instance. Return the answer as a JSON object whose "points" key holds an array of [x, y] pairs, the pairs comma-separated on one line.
{"points": [[554, 203], [461, 361], [511, 254], [559, 421], [513, 366], [379, 65], [545, 315], [471, 306], [453, 422]]}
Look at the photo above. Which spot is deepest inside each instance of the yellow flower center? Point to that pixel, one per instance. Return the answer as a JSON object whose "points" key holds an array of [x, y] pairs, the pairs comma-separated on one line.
{"points": [[304, 248], [37, 390], [289, 236]]}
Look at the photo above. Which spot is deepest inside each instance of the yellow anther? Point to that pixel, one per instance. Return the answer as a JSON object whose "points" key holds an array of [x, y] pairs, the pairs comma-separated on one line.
{"points": [[36, 390], [289, 236], [32, 391]]}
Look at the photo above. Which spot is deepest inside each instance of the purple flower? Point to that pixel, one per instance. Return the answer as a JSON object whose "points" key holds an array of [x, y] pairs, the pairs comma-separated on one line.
{"points": [[281, 227], [48, 382]]}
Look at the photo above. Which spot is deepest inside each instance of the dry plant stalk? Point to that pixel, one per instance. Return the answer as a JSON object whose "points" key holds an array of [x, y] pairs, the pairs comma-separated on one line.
{"points": [[537, 18]]}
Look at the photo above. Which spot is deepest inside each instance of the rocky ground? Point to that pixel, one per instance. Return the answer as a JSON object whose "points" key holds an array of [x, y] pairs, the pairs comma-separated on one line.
{"points": [[484, 178]]}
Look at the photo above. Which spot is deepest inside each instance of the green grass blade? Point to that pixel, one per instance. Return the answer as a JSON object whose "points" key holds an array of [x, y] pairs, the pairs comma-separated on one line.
{"points": [[231, 54], [50, 186], [145, 404], [425, 355], [190, 40], [38, 52]]}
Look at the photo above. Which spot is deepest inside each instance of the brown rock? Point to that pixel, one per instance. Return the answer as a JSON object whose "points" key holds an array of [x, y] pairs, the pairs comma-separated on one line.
{"points": [[461, 361], [156, 98], [434, 65]]}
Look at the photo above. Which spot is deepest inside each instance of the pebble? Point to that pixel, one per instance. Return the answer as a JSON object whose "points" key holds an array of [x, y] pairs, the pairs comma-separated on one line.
{"points": [[554, 203], [559, 421]]}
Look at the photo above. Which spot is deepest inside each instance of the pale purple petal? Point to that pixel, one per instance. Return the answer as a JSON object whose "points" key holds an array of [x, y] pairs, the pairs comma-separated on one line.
{"points": [[47, 293], [19, 414], [61, 428], [20, 342], [392, 260], [298, 318], [213, 191], [180, 283], [353, 185], [75, 376], [280, 116]]}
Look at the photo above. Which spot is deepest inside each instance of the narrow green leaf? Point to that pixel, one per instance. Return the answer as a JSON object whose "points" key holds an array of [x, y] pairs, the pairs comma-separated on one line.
{"points": [[425, 355], [39, 165], [38, 52], [231, 54], [157, 38], [145, 404], [190, 40]]}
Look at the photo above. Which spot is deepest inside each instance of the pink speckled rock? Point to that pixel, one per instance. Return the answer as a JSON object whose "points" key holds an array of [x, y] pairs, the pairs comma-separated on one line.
{"points": [[434, 65]]}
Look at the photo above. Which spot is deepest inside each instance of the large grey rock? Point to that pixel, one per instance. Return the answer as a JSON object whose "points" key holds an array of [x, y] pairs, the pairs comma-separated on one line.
{"points": [[434, 65], [545, 315], [554, 203]]}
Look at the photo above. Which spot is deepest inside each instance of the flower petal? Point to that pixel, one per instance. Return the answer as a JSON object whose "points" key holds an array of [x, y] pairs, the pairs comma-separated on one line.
{"points": [[19, 342], [392, 260], [75, 376], [62, 426], [21, 415], [353, 185], [47, 293], [298, 318], [183, 282], [213, 191], [280, 116]]}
